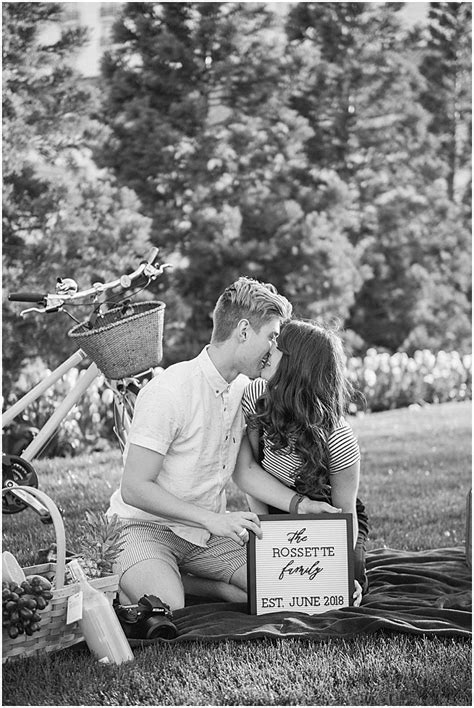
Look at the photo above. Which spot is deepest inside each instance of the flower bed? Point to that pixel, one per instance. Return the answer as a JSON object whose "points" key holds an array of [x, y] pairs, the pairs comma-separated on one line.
{"points": [[397, 380]]}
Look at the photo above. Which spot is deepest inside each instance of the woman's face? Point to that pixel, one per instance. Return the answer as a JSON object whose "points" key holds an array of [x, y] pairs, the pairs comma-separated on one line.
{"points": [[271, 367]]}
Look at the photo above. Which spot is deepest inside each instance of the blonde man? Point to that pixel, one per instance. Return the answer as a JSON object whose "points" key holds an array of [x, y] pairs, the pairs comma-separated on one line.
{"points": [[182, 449]]}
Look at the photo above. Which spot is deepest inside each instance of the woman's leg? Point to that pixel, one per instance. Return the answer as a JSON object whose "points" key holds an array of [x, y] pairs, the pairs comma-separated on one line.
{"points": [[360, 547]]}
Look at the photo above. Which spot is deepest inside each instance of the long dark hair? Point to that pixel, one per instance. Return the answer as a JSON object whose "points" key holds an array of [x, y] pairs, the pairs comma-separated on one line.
{"points": [[305, 399]]}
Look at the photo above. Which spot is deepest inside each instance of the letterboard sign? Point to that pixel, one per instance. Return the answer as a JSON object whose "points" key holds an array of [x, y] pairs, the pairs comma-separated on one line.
{"points": [[303, 563]]}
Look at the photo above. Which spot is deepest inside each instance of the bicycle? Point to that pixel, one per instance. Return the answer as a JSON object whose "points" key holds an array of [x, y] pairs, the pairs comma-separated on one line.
{"points": [[123, 342]]}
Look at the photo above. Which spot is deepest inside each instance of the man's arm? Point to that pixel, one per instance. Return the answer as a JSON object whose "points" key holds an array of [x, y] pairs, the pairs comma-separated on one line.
{"points": [[255, 505], [140, 488]]}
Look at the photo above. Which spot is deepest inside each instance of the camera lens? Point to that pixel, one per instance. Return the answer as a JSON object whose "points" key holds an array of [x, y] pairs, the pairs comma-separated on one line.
{"points": [[159, 627]]}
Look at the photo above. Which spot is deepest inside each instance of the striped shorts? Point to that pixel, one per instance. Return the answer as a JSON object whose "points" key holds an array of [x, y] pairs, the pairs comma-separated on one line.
{"points": [[144, 540]]}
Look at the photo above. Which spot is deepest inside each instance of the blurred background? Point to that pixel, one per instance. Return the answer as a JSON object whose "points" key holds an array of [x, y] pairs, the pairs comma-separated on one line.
{"points": [[324, 147]]}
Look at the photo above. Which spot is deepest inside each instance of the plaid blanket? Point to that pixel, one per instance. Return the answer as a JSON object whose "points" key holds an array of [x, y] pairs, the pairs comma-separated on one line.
{"points": [[423, 592]]}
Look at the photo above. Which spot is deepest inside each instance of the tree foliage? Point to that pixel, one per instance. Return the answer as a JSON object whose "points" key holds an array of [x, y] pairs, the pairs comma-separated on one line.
{"points": [[327, 151], [61, 215], [361, 90], [446, 66], [227, 178]]}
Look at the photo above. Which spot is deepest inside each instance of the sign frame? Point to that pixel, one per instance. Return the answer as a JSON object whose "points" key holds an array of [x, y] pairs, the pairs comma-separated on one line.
{"points": [[266, 519]]}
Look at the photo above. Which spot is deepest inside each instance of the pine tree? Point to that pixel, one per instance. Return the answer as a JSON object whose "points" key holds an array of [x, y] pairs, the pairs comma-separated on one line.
{"points": [[359, 87], [448, 95], [222, 167], [61, 215]]}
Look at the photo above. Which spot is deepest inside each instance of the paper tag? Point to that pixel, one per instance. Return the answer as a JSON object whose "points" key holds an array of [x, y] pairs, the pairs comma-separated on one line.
{"points": [[74, 608]]}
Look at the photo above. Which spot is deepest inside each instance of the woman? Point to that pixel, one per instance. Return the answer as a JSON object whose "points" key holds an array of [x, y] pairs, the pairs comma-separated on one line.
{"points": [[297, 431]]}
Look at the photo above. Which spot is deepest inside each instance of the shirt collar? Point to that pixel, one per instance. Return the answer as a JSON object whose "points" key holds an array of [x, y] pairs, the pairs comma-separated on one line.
{"points": [[218, 384]]}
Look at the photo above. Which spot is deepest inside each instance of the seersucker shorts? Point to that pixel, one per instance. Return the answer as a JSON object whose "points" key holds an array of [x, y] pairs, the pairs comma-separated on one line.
{"points": [[144, 540]]}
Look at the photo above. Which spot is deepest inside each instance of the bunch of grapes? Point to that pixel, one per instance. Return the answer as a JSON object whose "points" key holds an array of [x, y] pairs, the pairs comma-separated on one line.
{"points": [[21, 603]]}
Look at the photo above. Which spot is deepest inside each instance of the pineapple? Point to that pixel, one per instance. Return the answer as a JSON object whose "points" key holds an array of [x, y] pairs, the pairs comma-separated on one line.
{"points": [[100, 544]]}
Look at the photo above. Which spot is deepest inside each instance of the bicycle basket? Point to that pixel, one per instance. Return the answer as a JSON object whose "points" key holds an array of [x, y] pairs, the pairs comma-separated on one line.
{"points": [[124, 344]]}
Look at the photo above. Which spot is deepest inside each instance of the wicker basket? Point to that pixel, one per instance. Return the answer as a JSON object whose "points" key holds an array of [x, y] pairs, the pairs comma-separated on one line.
{"points": [[124, 344], [54, 633]]}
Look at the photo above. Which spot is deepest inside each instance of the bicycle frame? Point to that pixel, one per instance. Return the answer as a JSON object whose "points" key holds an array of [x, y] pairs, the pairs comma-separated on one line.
{"points": [[123, 393], [51, 425]]}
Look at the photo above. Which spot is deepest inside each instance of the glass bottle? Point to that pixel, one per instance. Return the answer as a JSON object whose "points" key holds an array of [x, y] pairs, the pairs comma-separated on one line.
{"points": [[99, 624]]}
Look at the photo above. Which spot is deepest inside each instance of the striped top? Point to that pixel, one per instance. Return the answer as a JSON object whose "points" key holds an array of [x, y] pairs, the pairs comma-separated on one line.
{"points": [[283, 464]]}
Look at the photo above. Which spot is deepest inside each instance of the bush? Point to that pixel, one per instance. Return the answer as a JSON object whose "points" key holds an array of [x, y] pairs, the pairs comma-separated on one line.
{"points": [[385, 381], [88, 426], [394, 381]]}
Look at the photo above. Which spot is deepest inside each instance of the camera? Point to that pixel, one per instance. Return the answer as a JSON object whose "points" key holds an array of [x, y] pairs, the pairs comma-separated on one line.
{"points": [[149, 619]]}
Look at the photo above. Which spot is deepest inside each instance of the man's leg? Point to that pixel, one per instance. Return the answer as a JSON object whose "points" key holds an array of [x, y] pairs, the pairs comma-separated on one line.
{"points": [[148, 564], [154, 577], [239, 579], [213, 589], [220, 569]]}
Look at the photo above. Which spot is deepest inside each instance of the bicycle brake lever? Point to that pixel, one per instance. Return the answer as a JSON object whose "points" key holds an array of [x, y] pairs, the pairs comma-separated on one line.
{"points": [[56, 308], [32, 309], [53, 304]]}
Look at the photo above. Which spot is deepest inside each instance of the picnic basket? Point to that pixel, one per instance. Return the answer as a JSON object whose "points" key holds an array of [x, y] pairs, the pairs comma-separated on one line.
{"points": [[54, 634], [124, 341]]}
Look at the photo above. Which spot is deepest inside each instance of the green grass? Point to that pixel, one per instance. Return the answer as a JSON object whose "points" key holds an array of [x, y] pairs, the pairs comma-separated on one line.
{"points": [[416, 472]]}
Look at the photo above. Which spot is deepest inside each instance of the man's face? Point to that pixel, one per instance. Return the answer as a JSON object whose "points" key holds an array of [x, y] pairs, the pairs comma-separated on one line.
{"points": [[273, 363], [257, 348]]}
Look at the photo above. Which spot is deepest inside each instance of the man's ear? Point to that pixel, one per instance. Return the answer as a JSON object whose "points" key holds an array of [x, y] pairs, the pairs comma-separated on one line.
{"points": [[243, 330]]}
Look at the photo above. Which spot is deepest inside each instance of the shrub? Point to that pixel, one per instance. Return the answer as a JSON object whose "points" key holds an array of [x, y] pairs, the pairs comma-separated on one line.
{"points": [[88, 426], [385, 381], [397, 380]]}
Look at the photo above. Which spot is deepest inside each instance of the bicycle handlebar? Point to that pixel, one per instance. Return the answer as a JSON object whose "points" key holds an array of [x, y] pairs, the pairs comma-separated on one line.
{"points": [[28, 297], [52, 302]]}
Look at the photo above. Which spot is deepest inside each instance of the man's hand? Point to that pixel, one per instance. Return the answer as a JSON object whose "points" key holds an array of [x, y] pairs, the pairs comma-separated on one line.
{"points": [[308, 506], [235, 525]]}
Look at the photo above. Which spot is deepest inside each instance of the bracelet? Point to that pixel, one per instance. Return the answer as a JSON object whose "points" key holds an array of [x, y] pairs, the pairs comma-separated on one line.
{"points": [[295, 501]]}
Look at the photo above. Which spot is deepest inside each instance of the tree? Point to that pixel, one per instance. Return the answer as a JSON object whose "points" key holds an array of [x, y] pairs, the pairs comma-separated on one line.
{"points": [[359, 87], [61, 215], [446, 66], [224, 172]]}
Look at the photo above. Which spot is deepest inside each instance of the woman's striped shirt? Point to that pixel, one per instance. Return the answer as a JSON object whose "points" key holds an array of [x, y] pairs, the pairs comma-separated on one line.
{"points": [[283, 464]]}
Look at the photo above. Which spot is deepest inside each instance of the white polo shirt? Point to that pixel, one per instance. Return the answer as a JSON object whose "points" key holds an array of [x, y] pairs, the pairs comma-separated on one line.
{"points": [[193, 417]]}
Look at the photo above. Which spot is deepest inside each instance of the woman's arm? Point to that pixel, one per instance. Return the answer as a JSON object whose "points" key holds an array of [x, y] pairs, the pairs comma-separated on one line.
{"points": [[253, 480], [344, 489]]}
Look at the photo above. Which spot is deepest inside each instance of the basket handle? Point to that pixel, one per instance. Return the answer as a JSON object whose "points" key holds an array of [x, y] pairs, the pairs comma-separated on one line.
{"points": [[58, 528]]}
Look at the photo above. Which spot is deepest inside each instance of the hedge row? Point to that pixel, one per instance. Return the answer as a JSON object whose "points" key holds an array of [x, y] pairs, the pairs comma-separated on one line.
{"points": [[394, 381], [382, 381]]}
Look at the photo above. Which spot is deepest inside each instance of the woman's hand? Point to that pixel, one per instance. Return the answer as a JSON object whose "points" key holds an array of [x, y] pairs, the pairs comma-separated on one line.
{"points": [[309, 506], [235, 525], [357, 596]]}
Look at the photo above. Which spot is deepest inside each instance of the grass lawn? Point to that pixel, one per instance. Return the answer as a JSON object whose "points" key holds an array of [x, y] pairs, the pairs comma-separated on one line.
{"points": [[416, 472]]}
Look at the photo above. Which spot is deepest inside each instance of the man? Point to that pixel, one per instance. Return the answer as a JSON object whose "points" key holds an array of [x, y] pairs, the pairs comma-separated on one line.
{"points": [[182, 449]]}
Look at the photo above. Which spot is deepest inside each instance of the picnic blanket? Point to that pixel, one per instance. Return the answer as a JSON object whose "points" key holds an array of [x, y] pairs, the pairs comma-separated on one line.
{"points": [[423, 592]]}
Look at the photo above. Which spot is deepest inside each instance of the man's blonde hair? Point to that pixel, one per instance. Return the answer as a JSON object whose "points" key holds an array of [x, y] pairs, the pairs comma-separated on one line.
{"points": [[247, 299]]}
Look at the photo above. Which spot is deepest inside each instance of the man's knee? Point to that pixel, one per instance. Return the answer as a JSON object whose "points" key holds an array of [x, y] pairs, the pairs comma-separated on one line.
{"points": [[150, 578], [239, 578]]}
